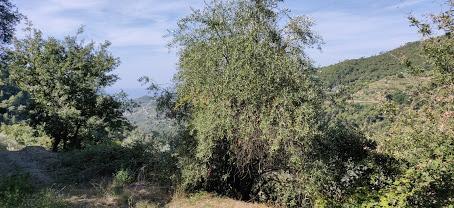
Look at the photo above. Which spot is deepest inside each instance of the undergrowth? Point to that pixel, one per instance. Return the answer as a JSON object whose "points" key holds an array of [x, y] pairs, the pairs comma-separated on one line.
{"points": [[17, 191]]}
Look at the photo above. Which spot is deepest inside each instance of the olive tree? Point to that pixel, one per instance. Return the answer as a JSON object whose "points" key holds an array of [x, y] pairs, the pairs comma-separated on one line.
{"points": [[65, 79], [253, 103]]}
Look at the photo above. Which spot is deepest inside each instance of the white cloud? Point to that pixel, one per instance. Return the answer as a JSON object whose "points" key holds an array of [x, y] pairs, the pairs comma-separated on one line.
{"points": [[124, 23]]}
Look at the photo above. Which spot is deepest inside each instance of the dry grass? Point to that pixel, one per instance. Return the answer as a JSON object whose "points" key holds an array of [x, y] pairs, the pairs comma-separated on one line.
{"points": [[147, 197], [103, 194], [205, 200]]}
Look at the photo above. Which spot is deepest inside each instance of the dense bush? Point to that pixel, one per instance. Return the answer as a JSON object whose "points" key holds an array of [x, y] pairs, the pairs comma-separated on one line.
{"points": [[416, 128]]}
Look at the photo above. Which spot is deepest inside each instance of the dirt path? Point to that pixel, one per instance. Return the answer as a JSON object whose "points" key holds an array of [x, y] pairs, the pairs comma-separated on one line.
{"points": [[35, 161]]}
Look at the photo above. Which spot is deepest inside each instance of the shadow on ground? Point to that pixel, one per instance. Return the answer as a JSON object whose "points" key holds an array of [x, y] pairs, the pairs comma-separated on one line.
{"points": [[43, 168]]}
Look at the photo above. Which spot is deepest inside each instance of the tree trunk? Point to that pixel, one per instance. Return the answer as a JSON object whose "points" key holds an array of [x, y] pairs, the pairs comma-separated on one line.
{"points": [[75, 141], [55, 144], [65, 144]]}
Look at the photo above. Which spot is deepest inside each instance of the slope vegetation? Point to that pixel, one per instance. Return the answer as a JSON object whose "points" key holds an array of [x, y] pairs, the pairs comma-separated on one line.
{"points": [[357, 73]]}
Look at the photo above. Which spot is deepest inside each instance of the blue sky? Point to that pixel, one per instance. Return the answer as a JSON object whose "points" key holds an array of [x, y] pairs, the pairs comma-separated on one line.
{"points": [[136, 28]]}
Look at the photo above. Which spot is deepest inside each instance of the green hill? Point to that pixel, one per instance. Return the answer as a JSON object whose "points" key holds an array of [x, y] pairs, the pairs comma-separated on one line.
{"points": [[357, 73], [374, 82]]}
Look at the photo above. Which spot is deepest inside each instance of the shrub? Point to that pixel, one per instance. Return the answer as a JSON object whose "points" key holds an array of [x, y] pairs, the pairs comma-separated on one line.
{"points": [[98, 161], [25, 135], [399, 97], [122, 178], [139, 161], [13, 190], [257, 126]]}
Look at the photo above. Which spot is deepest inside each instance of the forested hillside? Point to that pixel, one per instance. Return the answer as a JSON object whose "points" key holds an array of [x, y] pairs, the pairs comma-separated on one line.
{"points": [[357, 73]]}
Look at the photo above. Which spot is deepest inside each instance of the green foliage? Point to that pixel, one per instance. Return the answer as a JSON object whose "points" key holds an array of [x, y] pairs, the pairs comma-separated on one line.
{"points": [[122, 178], [438, 50], [270, 86], [9, 18], [256, 125], [16, 191], [399, 97], [74, 112], [13, 104], [252, 94], [413, 124], [248, 118], [25, 135], [12, 99], [143, 161], [99, 161], [13, 189]]}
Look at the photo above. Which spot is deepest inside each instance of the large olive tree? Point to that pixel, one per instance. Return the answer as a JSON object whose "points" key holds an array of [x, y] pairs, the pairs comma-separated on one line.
{"points": [[254, 105]]}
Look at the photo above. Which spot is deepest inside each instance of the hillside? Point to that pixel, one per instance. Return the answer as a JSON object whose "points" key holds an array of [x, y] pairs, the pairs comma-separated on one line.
{"points": [[357, 73], [148, 120], [375, 84]]}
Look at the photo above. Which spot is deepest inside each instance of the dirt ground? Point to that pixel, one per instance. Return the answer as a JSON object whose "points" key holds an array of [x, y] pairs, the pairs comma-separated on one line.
{"points": [[41, 166]]}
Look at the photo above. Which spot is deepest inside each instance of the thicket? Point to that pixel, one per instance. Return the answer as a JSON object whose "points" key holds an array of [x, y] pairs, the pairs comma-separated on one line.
{"points": [[143, 162], [418, 132]]}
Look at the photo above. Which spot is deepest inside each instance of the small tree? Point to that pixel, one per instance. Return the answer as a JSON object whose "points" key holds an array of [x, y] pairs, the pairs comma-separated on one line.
{"points": [[65, 80]]}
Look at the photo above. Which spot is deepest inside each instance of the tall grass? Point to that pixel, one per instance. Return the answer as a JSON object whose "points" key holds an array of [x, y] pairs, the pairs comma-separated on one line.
{"points": [[17, 191]]}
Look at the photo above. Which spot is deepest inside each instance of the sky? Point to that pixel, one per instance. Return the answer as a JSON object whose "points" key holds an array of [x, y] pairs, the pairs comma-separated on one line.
{"points": [[137, 29]]}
